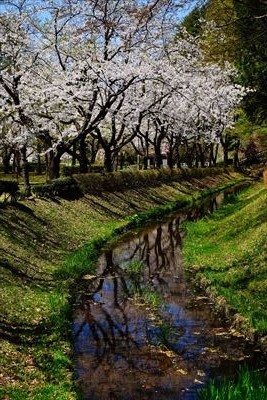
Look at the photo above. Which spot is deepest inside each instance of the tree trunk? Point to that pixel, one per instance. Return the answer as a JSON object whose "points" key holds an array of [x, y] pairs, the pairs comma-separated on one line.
{"points": [[83, 157], [38, 170], [236, 150], [158, 156], [25, 171], [145, 163], [74, 155], [16, 164], [225, 146], [200, 155], [225, 156], [170, 153], [213, 155], [170, 158], [195, 155], [6, 160], [108, 164], [189, 155], [93, 149], [177, 155], [52, 165]]}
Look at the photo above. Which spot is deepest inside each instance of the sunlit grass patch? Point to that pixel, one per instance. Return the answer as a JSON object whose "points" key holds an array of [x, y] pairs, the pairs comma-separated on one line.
{"points": [[228, 249], [151, 298], [134, 267], [249, 385], [26, 369], [146, 296]]}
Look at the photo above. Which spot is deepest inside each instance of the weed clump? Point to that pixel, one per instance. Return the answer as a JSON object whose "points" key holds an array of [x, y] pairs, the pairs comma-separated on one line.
{"points": [[249, 385]]}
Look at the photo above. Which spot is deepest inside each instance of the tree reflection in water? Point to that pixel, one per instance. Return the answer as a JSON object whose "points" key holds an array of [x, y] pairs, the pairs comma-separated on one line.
{"points": [[125, 348]]}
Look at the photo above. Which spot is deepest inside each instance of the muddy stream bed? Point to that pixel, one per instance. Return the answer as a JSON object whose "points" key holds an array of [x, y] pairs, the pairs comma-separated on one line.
{"points": [[141, 331]]}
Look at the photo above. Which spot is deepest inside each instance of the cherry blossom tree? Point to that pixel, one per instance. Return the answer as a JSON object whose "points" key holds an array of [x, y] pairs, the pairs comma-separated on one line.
{"points": [[112, 71], [17, 57]]}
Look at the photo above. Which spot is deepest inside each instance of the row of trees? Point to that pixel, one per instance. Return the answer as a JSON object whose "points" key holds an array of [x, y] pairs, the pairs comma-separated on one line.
{"points": [[76, 76]]}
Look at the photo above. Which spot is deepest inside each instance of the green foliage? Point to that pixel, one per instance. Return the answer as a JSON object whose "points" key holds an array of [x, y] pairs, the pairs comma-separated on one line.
{"points": [[62, 391], [220, 45], [63, 187], [96, 168], [68, 170], [122, 180], [96, 183], [249, 385], [151, 298], [166, 334], [9, 188], [239, 38], [192, 22], [251, 55], [135, 267], [147, 296]]}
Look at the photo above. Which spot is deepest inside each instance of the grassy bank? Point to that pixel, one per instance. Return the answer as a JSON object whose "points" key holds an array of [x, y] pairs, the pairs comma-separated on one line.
{"points": [[248, 385], [39, 263], [227, 254]]}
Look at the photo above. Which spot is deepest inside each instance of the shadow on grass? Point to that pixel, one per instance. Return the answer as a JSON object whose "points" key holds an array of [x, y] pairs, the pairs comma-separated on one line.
{"points": [[22, 333]]}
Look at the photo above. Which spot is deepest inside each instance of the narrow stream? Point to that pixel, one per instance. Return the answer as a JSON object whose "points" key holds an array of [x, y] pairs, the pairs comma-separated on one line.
{"points": [[141, 332]]}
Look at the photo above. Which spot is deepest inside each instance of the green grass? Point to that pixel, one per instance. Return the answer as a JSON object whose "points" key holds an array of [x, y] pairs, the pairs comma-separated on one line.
{"points": [[249, 385], [46, 245], [34, 179], [227, 253], [134, 267], [151, 298]]}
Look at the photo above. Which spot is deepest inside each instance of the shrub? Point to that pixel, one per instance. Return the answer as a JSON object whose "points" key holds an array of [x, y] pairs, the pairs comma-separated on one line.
{"points": [[122, 180], [9, 188], [69, 170], [33, 167], [63, 187], [97, 183], [78, 184], [96, 168]]}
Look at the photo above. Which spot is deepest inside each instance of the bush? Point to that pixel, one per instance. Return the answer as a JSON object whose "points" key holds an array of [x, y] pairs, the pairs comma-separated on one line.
{"points": [[96, 168], [33, 166], [9, 188], [95, 183], [122, 180], [69, 170], [63, 187]]}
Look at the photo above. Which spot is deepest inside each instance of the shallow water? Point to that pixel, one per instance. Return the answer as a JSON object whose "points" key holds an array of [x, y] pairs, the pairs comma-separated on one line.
{"points": [[141, 331]]}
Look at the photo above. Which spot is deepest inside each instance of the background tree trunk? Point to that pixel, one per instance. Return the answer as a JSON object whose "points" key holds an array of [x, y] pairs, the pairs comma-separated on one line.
{"points": [[83, 156], [25, 171], [108, 163], [6, 156], [52, 165]]}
